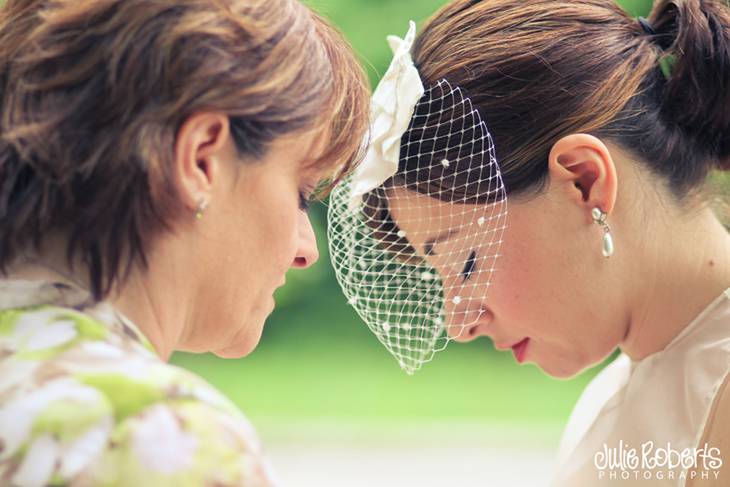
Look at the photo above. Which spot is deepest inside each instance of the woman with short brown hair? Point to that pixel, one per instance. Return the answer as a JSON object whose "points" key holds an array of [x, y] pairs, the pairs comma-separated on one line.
{"points": [[156, 162]]}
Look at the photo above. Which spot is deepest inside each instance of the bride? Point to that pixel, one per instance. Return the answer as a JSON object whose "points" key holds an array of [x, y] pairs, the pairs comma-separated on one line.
{"points": [[600, 130]]}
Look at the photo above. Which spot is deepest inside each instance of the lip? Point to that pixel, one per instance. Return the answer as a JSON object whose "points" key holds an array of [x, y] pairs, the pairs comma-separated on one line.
{"points": [[520, 349], [502, 346]]}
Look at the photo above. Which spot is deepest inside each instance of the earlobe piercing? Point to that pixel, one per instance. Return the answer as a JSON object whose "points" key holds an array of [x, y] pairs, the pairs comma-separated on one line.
{"points": [[202, 206], [600, 218]]}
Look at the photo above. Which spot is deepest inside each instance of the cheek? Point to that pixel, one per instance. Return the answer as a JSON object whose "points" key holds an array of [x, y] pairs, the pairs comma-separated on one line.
{"points": [[520, 280], [533, 289], [278, 229], [540, 292]]}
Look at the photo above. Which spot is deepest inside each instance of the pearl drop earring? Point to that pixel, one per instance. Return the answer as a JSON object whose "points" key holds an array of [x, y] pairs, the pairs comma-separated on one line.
{"points": [[600, 218]]}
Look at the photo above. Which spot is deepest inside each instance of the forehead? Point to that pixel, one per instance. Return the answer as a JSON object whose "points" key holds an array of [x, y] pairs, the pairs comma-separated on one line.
{"points": [[300, 149], [423, 218], [418, 211]]}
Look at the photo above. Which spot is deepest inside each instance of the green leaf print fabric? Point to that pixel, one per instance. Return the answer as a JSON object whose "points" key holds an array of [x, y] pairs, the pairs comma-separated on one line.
{"points": [[84, 401]]}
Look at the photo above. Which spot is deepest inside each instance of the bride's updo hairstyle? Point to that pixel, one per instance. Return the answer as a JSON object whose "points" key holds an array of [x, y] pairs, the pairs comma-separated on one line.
{"points": [[543, 69], [93, 93]]}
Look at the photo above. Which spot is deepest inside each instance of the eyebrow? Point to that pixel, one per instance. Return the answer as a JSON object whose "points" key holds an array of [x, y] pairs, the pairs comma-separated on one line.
{"points": [[429, 244]]}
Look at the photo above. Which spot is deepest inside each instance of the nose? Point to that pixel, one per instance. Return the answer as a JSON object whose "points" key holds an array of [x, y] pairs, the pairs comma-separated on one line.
{"points": [[467, 320], [307, 253]]}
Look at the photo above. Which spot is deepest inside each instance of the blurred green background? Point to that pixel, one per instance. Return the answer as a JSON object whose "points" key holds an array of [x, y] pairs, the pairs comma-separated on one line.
{"points": [[318, 363]]}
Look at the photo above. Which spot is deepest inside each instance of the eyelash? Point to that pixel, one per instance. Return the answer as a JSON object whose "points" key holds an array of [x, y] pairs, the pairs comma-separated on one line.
{"points": [[471, 263], [304, 202]]}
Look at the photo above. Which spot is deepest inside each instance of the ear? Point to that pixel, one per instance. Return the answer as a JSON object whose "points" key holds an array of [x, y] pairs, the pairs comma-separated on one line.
{"points": [[583, 165], [199, 148]]}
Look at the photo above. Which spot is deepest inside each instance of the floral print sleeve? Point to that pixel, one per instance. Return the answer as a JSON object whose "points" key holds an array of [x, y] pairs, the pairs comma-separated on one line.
{"points": [[84, 401]]}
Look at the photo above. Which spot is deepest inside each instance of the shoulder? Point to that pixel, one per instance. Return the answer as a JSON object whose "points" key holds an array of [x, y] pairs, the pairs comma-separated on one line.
{"points": [[715, 442], [186, 442], [83, 404]]}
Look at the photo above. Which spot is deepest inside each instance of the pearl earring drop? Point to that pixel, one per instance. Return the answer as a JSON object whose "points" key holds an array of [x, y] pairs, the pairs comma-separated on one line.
{"points": [[600, 218]]}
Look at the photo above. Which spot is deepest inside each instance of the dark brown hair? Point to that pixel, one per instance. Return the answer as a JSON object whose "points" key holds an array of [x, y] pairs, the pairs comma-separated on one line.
{"points": [[540, 70], [92, 94]]}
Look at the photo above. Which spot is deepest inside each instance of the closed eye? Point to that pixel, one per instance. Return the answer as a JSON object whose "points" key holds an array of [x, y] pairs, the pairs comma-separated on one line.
{"points": [[306, 198], [304, 202], [471, 263]]}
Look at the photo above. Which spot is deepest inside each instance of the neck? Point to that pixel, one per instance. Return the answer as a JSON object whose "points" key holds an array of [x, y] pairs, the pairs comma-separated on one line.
{"points": [[145, 297], [147, 300], [686, 266]]}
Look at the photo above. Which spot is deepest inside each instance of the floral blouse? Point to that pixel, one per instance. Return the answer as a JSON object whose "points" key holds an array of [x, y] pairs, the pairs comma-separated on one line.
{"points": [[84, 401]]}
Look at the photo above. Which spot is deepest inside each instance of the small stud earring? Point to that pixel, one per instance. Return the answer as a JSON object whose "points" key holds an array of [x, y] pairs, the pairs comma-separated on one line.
{"points": [[600, 218], [202, 206]]}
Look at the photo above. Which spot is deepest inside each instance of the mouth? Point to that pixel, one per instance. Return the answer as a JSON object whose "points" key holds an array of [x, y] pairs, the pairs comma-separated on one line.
{"points": [[520, 349]]}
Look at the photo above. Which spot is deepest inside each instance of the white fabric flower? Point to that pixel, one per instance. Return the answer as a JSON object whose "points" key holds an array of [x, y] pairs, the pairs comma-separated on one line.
{"points": [[38, 463], [17, 374], [40, 330], [392, 107], [18, 415], [161, 444], [54, 335], [45, 453], [82, 451]]}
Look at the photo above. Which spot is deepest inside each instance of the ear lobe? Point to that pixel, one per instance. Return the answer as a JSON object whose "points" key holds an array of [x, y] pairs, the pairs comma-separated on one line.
{"points": [[200, 140], [584, 163]]}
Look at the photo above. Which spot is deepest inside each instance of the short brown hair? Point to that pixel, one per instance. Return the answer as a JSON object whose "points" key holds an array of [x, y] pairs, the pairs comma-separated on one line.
{"points": [[93, 93]]}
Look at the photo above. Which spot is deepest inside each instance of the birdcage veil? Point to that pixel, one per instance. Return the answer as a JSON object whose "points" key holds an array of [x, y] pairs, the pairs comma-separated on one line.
{"points": [[433, 143]]}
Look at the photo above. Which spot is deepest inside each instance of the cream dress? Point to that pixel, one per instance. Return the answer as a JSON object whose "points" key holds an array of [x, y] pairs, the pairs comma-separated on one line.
{"points": [[636, 414]]}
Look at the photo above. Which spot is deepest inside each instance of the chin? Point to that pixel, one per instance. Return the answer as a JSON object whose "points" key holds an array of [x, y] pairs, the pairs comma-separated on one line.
{"points": [[230, 354], [241, 344], [235, 351], [237, 348], [562, 370]]}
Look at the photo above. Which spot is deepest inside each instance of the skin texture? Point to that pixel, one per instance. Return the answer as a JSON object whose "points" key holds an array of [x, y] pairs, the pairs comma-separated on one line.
{"points": [[552, 283], [210, 281]]}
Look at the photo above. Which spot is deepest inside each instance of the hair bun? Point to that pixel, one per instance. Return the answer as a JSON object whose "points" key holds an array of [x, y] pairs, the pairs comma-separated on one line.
{"points": [[697, 93]]}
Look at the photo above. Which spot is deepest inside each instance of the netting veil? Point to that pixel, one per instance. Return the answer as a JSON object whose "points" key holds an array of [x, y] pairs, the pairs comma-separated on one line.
{"points": [[415, 232]]}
